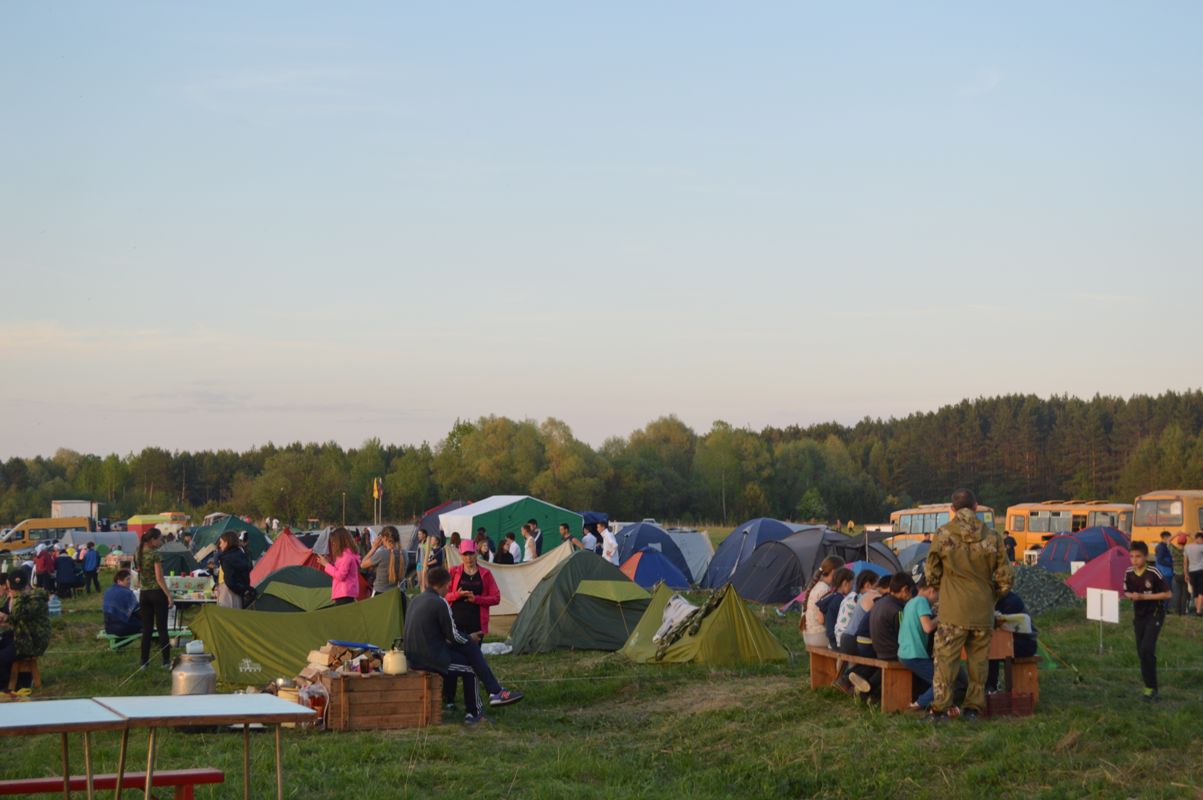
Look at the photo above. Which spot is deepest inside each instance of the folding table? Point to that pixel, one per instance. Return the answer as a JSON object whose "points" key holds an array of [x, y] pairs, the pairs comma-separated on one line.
{"points": [[62, 717]]}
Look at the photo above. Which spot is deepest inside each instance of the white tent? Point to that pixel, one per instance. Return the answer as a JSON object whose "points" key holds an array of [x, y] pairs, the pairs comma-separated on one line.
{"points": [[696, 547], [517, 581]]}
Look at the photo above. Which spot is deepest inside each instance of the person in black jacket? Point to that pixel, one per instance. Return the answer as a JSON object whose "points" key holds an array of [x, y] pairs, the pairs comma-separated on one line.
{"points": [[233, 570], [433, 644]]}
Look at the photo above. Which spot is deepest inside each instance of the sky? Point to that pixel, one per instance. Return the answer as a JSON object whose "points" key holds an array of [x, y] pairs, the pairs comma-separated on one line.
{"points": [[224, 224]]}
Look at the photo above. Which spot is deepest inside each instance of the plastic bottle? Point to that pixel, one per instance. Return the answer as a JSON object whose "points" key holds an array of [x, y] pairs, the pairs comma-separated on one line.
{"points": [[54, 605]]}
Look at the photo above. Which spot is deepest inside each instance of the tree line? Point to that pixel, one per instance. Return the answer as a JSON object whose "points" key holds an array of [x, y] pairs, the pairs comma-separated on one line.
{"points": [[1010, 449]]}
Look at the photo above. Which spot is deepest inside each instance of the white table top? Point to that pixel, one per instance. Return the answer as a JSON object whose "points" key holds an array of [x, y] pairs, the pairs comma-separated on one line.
{"points": [[56, 716], [205, 709]]}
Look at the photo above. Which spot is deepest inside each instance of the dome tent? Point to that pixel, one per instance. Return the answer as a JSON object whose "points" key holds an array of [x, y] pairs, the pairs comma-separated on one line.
{"points": [[648, 566], [739, 545], [256, 540], [295, 588], [1105, 571], [286, 551], [1084, 545], [645, 535], [779, 571]]}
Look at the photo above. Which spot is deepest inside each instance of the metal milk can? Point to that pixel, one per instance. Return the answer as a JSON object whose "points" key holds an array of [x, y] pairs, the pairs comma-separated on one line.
{"points": [[194, 674]]}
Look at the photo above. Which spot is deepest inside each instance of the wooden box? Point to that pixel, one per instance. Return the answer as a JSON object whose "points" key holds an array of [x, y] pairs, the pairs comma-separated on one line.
{"points": [[382, 702]]}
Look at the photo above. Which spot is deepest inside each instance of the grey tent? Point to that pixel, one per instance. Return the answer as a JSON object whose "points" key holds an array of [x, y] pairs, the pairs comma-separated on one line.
{"points": [[778, 571], [913, 554]]}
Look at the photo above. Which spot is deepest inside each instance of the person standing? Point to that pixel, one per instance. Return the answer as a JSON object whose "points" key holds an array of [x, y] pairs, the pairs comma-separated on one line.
{"points": [[609, 544], [537, 533], [530, 548], [566, 536], [421, 556], [1147, 590], [342, 566], [153, 596], [233, 572], [1180, 590], [967, 565], [1193, 554], [91, 567], [386, 561], [589, 540], [1010, 544]]}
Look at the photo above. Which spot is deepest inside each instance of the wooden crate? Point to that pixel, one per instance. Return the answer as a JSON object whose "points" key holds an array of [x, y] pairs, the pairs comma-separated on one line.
{"points": [[382, 702]]}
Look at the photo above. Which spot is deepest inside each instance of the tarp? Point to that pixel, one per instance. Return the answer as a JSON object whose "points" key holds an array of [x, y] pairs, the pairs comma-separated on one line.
{"points": [[779, 571], [126, 540], [594, 517], [728, 634], [1102, 572], [517, 581], [254, 647], [696, 548], [571, 609], [286, 551], [648, 534], [504, 513], [1084, 545], [256, 540], [739, 545], [293, 589], [648, 566]]}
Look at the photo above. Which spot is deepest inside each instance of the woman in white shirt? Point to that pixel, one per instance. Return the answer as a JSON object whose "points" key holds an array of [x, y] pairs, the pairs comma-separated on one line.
{"points": [[814, 631]]}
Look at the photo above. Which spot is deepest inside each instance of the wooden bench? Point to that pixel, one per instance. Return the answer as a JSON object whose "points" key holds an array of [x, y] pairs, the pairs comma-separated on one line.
{"points": [[896, 680], [28, 666], [182, 780], [117, 642]]}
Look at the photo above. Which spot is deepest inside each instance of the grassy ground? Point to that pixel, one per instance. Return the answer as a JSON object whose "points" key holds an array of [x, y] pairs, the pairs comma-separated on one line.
{"points": [[594, 726]]}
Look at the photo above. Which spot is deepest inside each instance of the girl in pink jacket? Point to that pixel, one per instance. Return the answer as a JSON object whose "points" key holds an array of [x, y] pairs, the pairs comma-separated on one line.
{"points": [[342, 566]]}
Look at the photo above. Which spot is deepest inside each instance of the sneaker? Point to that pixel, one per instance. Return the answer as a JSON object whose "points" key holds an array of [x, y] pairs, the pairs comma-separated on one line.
{"points": [[1150, 696], [971, 715], [936, 717], [859, 684], [475, 719], [505, 697], [842, 684], [780, 613]]}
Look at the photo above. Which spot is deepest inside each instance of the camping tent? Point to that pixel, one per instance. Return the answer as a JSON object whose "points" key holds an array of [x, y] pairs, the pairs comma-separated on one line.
{"points": [[740, 543], [256, 540], [430, 520], [177, 560], [778, 571], [913, 554], [286, 551], [517, 581], [1101, 572], [505, 513], [594, 517], [254, 647], [696, 548], [295, 588], [642, 535], [728, 634], [1084, 545], [585, 603], [648, 566], [858, 567], [126, 540]]}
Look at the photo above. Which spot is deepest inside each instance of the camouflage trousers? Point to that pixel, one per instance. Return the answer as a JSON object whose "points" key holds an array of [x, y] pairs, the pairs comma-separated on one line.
{"points": [[949, 641]]}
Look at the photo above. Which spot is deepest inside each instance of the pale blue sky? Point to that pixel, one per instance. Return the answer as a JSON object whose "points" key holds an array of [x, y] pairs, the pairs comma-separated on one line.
{"points": [[223, 224]]}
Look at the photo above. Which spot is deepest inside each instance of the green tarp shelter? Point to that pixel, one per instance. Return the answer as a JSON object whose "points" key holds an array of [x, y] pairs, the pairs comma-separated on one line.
{"points": [[727, 634], [507, 513], [254, 647], [177, 560], [256, 540], [585, 603], [295, 588]]}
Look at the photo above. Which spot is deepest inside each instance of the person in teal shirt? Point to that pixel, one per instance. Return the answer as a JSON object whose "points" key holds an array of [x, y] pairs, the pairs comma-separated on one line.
{"points": [[918, 622]]}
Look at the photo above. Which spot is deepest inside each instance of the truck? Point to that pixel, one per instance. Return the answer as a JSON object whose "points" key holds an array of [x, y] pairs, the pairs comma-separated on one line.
{"points": [[74, 508]]}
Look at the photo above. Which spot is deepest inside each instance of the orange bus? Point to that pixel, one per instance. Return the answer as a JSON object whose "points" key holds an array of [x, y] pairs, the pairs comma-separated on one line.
{"points": [[911, 524], [30, 533], [1035, 523], [1173, 510]]}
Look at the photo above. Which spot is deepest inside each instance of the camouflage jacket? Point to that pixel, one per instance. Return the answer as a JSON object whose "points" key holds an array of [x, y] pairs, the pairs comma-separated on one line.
{"points": [[968, 563], [29, 623]]}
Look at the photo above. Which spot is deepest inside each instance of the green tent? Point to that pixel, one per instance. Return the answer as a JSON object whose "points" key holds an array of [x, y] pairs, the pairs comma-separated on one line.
{"points": [[721, 633], [585, 603], [505, 513], [254, 647], [256, 540], [177, 559], [293, 588]]}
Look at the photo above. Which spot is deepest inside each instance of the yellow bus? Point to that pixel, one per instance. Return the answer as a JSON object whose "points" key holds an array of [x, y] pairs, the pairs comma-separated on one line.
{"points": [[911, 524], [1173, 510], [1035, 523], [31, 532]]}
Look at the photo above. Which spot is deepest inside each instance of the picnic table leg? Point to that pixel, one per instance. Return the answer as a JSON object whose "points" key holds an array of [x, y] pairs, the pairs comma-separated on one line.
{"points": [[246, 761], [121, 762], [150, 765], [91, 792], [279, 767], [66, 772]]}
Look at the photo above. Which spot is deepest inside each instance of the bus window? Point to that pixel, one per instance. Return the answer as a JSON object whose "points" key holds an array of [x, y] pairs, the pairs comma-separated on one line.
{"points": [[929, 523], [941, 519], [986, 517], [1018, 523], [1079, 522], [1159, 512], [1040, 522]]}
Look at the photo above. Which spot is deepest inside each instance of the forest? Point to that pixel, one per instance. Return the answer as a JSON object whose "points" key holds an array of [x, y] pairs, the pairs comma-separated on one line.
{"points": [[1009, 449]]}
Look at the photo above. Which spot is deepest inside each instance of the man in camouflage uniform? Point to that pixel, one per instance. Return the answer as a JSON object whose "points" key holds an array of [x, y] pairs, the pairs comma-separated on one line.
{"points": [[25, 628], [968, 564]]}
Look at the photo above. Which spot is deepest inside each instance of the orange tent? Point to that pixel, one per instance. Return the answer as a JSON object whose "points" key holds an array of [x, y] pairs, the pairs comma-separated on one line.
{"points": [[286, 551]]}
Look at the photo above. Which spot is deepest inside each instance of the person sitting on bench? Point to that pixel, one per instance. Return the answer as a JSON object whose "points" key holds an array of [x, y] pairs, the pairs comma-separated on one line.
{"points": [[433, 644], [885, 620], [25, 629], [121, 616], [1024, 643]]}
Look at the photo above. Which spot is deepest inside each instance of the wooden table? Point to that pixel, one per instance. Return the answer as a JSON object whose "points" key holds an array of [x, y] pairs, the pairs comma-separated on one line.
{"points": [[62, 717], [206, 709]]}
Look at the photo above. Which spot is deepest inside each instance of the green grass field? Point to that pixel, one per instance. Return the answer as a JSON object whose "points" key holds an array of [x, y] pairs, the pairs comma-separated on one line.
{"points": [[594, 726]]}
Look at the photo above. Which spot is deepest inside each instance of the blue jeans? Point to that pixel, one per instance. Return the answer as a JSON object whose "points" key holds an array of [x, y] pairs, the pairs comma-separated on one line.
{"points": [[924, 669]]}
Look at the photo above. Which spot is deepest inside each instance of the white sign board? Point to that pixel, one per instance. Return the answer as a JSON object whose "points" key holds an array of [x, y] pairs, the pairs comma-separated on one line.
{"points": [[1074, 566], [1102, 605]]}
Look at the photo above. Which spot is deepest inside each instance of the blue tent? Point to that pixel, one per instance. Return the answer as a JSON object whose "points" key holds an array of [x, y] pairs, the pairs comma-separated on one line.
{"points": [[648, 566], [1084, 545], [594, 517], [913, 554], [858, 567], [739, 544], [646, 534]]}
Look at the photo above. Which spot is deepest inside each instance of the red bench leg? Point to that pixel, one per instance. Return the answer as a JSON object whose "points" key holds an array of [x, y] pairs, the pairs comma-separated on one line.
{"points": [[185, 793]]}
